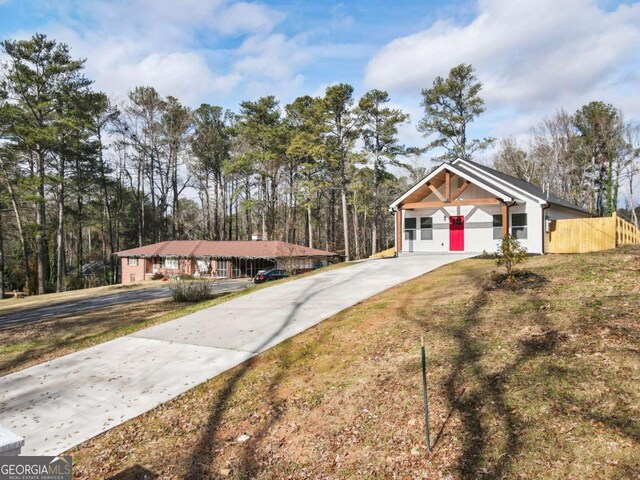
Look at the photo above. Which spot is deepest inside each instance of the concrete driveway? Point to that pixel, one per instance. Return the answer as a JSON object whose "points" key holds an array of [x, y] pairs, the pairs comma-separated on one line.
{"points": [[66, 401], [74, 307]]}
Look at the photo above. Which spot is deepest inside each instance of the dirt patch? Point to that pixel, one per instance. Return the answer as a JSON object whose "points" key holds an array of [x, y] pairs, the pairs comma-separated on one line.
{"points": [[519, 280]]}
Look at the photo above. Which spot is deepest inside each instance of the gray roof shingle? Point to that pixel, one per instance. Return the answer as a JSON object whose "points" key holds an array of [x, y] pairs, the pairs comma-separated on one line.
{"points": [[526, 186]]}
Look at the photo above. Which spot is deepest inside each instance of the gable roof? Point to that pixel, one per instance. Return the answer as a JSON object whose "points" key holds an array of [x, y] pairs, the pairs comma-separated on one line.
{"points": [[224, 249], [503, 186], [463, 172], [523, 185]]}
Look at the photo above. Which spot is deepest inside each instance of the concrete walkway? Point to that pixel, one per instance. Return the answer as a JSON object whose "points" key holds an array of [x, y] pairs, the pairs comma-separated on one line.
{"points": [[66, 401]]}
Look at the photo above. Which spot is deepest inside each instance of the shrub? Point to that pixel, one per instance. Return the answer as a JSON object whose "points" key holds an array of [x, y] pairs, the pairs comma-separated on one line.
{"points": [[72, 282], [510, 252], [157, 276], [190, 290], [93, 280]]}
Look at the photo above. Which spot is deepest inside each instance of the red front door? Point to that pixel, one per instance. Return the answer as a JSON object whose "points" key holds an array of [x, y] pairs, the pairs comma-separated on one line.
{"points": [[456, 234]]}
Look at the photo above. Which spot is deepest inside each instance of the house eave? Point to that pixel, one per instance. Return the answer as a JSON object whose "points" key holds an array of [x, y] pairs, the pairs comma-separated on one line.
{"points": [[393, 207]]}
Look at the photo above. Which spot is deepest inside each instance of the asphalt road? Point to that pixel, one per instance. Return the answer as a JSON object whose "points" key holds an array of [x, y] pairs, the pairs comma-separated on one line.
{"points": [[74, 307]]}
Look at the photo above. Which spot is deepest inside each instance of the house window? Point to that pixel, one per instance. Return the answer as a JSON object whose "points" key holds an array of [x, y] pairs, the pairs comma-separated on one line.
{"points": [[203, 266], [410, 228], [132, 262], [221, 268], [170, 263], [426, 228], [497, 227], [519, 225], [235, 269]]}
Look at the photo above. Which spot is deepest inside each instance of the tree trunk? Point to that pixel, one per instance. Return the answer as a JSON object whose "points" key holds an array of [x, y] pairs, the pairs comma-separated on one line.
{"points": [[21, 236], [107, 211], [177, 224], [264, 208], [141, 222], [356, 236], [376, 200], [1, 259], [374, 237], [60, 260], [216, 207], [247, 197], [230, 211], [634, 217], [41, 248], [206, 215], [79, 246], [310, 224], [345, 222]]}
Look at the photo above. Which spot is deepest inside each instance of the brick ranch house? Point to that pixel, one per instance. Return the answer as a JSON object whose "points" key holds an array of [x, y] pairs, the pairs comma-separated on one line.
{"points": [[219, 259], [468, 207]]}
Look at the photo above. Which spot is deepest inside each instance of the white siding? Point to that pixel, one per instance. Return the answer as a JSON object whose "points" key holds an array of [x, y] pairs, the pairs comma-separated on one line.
{"points": [[533, 242], [555, 212], [478, 228], [478, 222]]}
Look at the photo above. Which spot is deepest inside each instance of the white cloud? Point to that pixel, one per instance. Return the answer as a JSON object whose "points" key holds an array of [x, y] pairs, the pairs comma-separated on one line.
{"points": [[184, 75], [531, 55], [173, 45], [340, 19], [244, 17], [272, 56]]}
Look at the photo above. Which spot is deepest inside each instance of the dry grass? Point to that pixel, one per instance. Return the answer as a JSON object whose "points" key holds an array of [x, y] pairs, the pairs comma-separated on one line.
{"points": [[37, 342], [10, 305], [31, 343], [390, 252], [533, 382]]}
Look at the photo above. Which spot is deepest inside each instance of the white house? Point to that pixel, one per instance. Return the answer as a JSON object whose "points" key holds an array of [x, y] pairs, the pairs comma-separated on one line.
{"points": [[465, 206]]}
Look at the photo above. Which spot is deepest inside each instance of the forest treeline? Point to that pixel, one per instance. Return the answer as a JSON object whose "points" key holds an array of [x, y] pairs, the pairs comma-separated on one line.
{"points": [[83, 176]]}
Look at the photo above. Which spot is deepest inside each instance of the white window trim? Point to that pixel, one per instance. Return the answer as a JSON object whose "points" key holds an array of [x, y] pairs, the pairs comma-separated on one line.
{"points": [[414, 229], [493, 228], [512, 226], [203, 265], [419, 223], [219, 263], [129, 261], [166, 264]]}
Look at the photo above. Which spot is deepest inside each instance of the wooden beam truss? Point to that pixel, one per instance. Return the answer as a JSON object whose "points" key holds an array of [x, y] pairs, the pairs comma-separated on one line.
{"points": [[454, 203]]}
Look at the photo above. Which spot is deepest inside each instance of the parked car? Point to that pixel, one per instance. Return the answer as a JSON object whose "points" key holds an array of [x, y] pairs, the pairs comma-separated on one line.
{"points": [[270, 275]]}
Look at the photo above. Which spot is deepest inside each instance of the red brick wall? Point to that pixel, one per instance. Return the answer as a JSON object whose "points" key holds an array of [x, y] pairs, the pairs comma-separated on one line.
{"points": [[132, 273], [187, 266]]}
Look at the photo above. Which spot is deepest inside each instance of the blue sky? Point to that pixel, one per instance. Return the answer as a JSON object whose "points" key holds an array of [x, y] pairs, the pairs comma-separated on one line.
{"points": [[534, 56]]}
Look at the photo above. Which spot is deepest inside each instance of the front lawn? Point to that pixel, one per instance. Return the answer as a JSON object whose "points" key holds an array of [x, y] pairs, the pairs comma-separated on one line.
{"points": [[539, 380], [31, 343]]}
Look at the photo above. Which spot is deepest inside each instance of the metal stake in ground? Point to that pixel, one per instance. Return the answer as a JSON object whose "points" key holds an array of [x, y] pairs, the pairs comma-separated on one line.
{"points": [[426, 397]]}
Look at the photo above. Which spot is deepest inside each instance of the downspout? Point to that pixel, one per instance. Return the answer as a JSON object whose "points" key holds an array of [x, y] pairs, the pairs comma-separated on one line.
{"points": [[544, 226]]}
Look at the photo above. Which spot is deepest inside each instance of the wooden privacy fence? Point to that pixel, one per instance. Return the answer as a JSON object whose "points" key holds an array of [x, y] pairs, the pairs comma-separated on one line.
{"points": [[626, 233], [580, 235]]}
